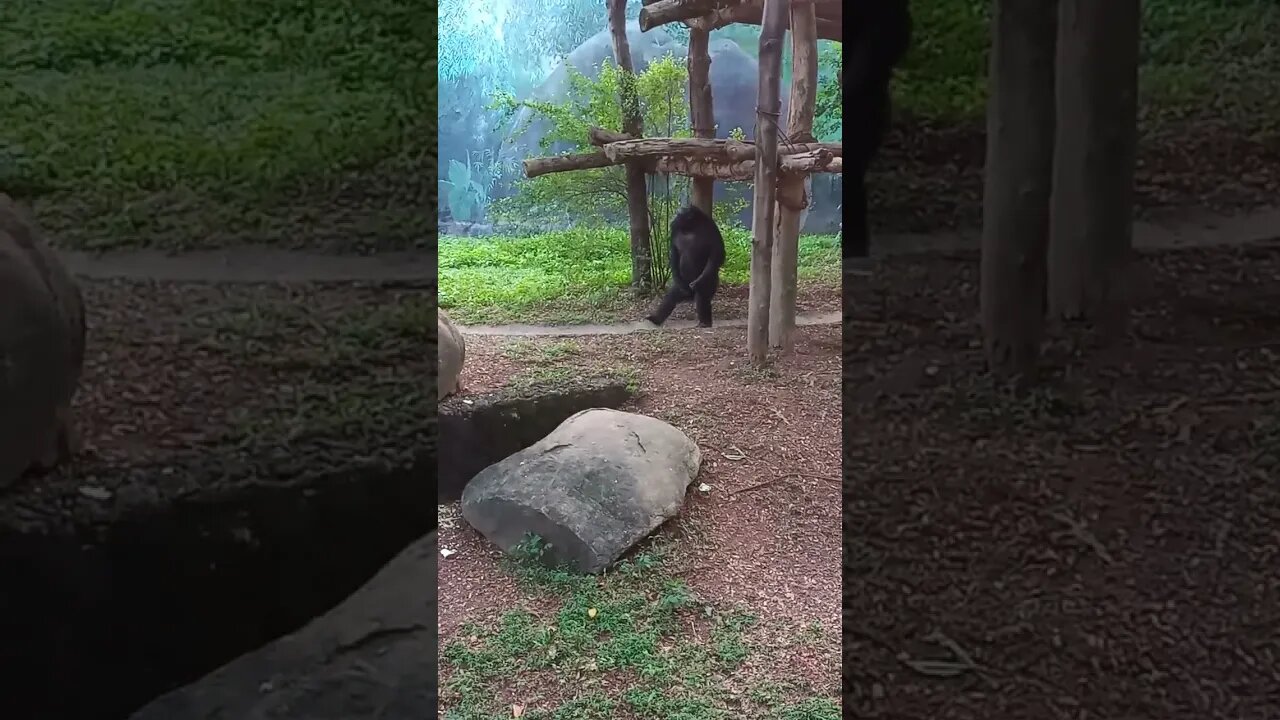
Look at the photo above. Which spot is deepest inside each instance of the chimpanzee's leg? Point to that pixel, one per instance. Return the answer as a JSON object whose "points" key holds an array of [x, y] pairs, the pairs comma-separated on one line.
{"points": [[702, 303], [702, 299], [857, 244], [669, 301]]}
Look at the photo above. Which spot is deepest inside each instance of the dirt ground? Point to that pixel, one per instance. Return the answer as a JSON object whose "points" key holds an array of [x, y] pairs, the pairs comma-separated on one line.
{"points": [[928, 178], [765, 534], [1105, 547], [195, 375]]}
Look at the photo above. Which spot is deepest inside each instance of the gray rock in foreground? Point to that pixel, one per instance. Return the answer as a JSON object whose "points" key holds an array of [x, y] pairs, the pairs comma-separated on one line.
{"points": [[42, 342], [373, 657], [597, 485], [480, 430]]}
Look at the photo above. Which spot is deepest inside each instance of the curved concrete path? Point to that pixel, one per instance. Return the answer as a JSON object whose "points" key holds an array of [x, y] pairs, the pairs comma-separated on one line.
{"points": [[252, 264], [256, 264], [823, 318]]}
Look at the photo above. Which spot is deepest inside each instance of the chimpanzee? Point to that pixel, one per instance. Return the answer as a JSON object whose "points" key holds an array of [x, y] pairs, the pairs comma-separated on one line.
{"points": [[881, 36], [697, 252]]}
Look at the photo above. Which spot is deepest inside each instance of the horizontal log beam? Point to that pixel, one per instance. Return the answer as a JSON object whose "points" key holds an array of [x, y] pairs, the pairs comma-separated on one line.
{"points": [[601, 137], [830, 27], [694, 157], [744, 170], [660, 13], [727, 150]]}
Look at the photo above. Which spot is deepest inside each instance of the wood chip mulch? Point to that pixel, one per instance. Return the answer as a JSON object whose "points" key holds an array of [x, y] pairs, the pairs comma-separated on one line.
{"points": [[1104, 546]]}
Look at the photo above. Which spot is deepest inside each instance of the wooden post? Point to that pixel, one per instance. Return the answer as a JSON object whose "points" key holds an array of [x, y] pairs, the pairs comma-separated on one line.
{"points": [[701, 110], [768, 104], [633, 125], [1091, 244], [792, 198], [1018, 177]]}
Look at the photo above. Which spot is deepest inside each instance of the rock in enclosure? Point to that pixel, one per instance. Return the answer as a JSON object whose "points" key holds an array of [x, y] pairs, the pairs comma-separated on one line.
{"points": [[453, 350], [42, 335], [597, 485]]}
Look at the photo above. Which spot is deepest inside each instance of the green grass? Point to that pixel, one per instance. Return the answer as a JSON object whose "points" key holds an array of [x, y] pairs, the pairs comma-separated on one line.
{"points": [[632, 643], [577, 275], [1219, 56], [204, 122]]}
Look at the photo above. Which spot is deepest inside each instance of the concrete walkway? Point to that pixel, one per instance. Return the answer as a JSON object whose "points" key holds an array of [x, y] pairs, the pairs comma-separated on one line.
{"points": [[253, 264], [825, 318]]}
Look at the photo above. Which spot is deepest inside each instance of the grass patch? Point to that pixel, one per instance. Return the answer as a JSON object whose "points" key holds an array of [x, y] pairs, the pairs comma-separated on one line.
{"points": [[1218, 56], [632, 643], [195, 123], [578, 275]]}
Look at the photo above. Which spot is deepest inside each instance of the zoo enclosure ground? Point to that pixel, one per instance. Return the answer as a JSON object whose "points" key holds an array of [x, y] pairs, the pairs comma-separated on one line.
{"points": [[1103, 545], [759, 548]]}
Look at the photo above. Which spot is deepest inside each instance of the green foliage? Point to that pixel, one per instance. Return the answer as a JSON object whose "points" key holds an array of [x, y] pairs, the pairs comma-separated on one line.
{"points": [[580, 275], [1197, 55], [177, 122], [597, 195], [828, 120], [470, 185], [632, 623]]}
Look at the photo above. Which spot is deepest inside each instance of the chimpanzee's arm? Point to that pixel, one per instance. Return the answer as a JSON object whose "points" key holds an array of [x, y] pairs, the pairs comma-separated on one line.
{"points": [[713, 265], [674, 259]]}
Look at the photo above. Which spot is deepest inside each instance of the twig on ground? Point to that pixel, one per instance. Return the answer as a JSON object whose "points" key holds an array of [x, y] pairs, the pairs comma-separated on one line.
{"points": [[964, 662], [1081, 533], [788, 476]]}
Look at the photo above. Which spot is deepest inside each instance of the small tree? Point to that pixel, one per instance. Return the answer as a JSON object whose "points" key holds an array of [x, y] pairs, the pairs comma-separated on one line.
{"points": [[597, 195]]}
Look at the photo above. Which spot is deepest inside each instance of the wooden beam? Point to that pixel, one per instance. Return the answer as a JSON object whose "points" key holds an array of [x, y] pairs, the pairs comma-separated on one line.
{"points": [[793, 158], [768, 105], [660, 13], [633, 125], [701, 111], [751, 13], [791, 190], [627, 149], [1018, 178]]}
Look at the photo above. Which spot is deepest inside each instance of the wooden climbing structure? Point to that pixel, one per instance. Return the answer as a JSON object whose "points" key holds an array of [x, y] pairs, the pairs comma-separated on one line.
{"points": [[777, 166]]}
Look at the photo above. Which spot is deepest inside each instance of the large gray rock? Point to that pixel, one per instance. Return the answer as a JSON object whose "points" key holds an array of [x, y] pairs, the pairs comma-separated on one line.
{"points": [[373, 657], [483, 429], [42, 336], [593, 488], [452, 352]]}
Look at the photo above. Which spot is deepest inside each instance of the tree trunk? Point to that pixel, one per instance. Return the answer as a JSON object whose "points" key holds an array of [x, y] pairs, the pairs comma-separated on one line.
{"points": [[633, 125], [768, 105], [792, 198], [1092, 239], [701, 110], [1018, 177]]}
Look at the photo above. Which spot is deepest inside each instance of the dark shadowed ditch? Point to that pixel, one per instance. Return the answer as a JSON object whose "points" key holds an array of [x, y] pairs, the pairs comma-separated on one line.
{"points": [[106, 604]]}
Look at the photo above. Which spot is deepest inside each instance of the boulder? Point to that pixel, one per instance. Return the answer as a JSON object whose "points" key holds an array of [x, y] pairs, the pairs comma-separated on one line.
{"points": [[373, 657], [453, 350], [598, 484], [484, 429], [487, 428], [42, 337]]}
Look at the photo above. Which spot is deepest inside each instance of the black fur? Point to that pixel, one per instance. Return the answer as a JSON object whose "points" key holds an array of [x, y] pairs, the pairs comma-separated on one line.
{"points": [[697, 253], [881, 36]]}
